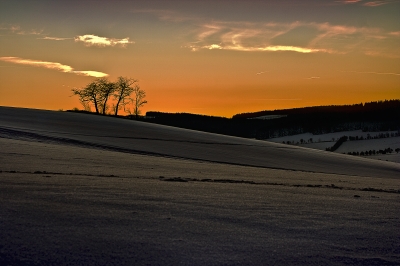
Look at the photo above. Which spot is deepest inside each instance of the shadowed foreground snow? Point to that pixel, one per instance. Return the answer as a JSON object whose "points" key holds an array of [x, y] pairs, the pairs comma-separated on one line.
{"points": [[89, 190]]}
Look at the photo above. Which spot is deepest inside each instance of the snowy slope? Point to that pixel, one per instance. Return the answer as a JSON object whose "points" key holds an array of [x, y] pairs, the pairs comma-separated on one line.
{"points": [[371, 144], [144, 138]]}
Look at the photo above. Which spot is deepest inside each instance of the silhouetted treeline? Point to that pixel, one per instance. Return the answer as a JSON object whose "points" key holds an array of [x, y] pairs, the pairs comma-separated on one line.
{"points": [[374, 108], [213, 124], [373, 116]]}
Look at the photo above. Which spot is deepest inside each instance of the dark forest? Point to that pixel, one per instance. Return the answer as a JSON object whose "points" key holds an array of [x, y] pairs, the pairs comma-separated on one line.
{"points": [[371, 116]]}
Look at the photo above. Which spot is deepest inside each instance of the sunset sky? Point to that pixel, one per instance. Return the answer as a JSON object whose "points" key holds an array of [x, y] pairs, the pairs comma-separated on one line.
{"points": [[206, 57]]}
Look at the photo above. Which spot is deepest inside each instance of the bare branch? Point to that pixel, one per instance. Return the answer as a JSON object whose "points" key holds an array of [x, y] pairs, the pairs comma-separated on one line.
{"points": [[122, 92]]}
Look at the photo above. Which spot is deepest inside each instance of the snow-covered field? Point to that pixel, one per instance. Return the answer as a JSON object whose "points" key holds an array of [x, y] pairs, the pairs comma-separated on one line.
{"points": [[323, 141], [329, 136], [91, 190]]}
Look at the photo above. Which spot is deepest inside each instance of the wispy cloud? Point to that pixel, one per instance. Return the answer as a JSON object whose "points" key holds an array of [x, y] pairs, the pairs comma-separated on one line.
{"points": [[348, 1], [55, 38], [270, 48], [300, 37], [16, 29], [297, 36], [376, 3], [262, 72], [313, 78], [373, 72], [52, 65], [88, 39], [90, 73], [367, 3], [245, 36], [277, 48], [395, 33], [166, 15], [278, 99], [93, 40]]}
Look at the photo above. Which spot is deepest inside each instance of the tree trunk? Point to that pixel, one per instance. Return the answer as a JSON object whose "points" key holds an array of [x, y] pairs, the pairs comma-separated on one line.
{"points": [[95, 105], [116, 106], [105, 106]]}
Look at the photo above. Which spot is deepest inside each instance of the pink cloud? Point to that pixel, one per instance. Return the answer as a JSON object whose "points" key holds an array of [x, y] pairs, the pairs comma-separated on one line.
{"points": [[349, 1], [376, 3], [395, 33]]}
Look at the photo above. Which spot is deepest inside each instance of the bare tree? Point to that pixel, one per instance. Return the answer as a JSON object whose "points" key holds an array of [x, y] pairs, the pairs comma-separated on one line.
{"points": [[99, 92], [106, 89], [86, 105], [89, 94], [138, 100], [123, 90]]}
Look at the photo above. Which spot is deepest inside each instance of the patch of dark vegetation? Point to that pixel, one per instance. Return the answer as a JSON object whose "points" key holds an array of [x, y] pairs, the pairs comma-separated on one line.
{"points": [[76, 110], [333, 186], [381, 190], [223, 181], [250, 182], [56, 173], [228, 181], [313, 185], [40, 172], [234, 181], [175, 179]]}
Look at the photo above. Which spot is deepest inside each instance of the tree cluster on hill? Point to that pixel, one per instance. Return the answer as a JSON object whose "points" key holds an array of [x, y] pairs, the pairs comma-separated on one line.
{"points": [[99, 92], [374, 116]]}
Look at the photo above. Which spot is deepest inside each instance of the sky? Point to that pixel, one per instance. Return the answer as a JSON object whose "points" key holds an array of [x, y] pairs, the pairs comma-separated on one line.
{"points": [[207, 57]]}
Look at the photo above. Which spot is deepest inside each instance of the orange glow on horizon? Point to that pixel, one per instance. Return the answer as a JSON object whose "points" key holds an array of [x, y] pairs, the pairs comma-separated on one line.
{"points": [[258, 56]]}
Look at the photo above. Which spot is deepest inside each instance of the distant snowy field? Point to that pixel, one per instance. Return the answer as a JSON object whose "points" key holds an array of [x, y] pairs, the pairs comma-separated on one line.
{"points": [[323, 141]]}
